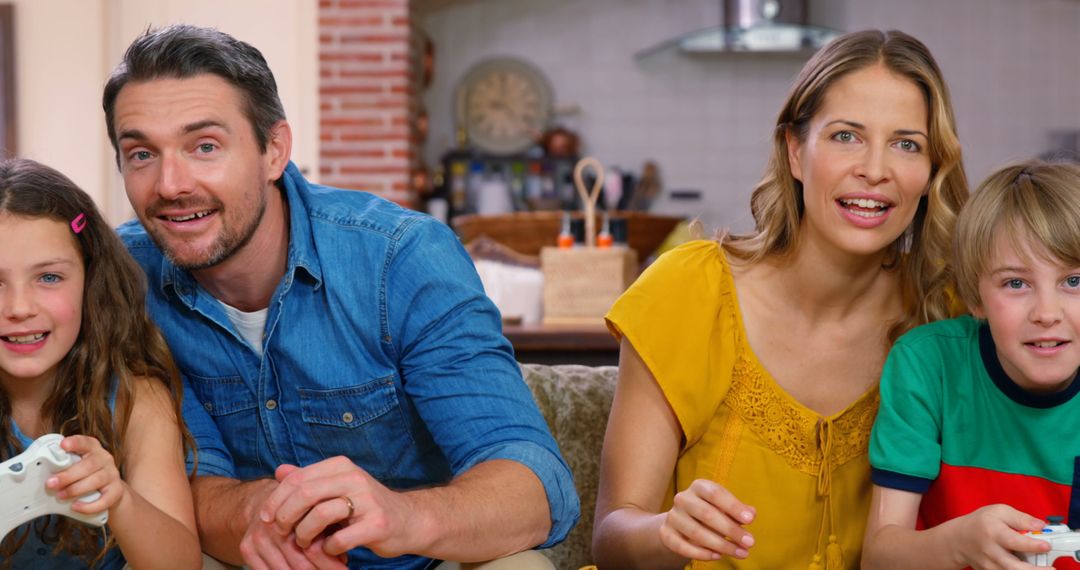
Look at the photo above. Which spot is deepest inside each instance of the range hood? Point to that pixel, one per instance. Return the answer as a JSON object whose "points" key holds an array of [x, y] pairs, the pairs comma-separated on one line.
{"points": [[753, 26]]}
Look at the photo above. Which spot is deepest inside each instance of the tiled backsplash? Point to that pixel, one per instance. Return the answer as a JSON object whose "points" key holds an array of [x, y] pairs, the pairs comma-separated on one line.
{"points": [[1013, 67]]}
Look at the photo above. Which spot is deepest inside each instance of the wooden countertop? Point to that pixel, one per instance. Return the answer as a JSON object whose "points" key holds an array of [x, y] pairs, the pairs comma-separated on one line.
{"points": [[563, 338]]}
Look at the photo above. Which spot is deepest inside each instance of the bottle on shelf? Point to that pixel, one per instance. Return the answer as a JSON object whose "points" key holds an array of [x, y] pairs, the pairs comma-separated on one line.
{"points": [[458, 187], [517, 185], [566, 237], [493, 193], [474, 182], [604, 239], [549, 198]]}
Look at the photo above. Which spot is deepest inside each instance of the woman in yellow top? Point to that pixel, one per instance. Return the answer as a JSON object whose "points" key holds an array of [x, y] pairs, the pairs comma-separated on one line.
{"points": [[748, 369]]}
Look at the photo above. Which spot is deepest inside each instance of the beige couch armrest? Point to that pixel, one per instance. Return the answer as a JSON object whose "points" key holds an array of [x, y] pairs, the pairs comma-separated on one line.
{"points": [[575, 401]]}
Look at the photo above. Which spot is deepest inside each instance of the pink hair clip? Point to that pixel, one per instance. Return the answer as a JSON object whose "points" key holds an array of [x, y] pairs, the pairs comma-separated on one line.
{"points": [[78, 223]]}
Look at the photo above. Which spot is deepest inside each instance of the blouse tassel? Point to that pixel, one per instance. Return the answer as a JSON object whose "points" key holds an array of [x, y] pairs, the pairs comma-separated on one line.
{"points": [[834, 555]]}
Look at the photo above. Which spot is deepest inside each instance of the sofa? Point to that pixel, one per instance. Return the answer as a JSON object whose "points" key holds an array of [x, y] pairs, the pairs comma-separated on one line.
{"points": [[575, 401]]}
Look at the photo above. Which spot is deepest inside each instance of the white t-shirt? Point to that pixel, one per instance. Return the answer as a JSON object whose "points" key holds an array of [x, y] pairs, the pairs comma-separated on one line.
{"points": [[250, 325]]}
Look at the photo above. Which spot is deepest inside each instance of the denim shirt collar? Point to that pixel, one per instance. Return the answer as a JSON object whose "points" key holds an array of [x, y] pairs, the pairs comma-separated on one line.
{"points": [[301, 245]]}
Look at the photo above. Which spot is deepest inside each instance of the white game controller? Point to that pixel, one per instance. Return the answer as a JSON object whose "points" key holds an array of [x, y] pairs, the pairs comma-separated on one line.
{"points": [[23, 496], [1064, 543]]}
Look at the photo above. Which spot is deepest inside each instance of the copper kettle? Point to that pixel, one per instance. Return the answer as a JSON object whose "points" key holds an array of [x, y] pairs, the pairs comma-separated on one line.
{"points": [[559, 141]]}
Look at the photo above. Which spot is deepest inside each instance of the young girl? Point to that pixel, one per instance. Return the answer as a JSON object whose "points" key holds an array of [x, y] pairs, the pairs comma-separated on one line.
{"points": [[80, 357]]}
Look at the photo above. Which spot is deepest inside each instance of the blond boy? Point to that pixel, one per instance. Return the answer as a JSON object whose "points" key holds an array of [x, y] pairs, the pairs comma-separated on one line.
{"points": [[978, 437]]}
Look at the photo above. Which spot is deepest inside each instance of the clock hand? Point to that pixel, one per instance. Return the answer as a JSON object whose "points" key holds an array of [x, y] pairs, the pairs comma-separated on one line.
{"points": [[524, 125]]}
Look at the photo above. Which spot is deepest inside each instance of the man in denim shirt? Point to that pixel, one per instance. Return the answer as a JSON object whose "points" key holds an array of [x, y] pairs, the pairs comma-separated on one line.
{"points": [[347, 382]]}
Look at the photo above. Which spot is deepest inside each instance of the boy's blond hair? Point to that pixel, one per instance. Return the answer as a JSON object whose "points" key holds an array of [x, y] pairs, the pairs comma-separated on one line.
{"points": [[1037, 205]]}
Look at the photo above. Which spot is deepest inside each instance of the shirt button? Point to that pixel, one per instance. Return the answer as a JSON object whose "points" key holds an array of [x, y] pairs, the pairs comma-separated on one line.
{"points": [[271, 404], [42, 552], [209, 407], [347, 417]]}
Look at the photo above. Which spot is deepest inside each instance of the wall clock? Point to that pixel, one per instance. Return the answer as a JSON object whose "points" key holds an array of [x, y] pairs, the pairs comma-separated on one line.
{"points": [[503, 105]]}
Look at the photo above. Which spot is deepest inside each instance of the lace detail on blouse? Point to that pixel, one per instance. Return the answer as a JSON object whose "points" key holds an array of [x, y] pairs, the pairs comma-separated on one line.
{"points": [[794, 431]]}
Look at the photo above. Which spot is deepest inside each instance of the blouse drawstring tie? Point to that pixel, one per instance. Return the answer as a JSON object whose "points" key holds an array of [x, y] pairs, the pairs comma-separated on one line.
{"points": [[834, 554]]}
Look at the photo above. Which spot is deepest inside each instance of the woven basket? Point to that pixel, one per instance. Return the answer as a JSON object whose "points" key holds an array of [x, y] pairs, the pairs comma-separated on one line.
{"points": [[528, 232], [582, 283]]}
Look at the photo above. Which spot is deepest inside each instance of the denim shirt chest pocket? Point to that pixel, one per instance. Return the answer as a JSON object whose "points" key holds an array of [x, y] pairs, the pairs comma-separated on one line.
{"points": [[232, 405], [362, 422]]}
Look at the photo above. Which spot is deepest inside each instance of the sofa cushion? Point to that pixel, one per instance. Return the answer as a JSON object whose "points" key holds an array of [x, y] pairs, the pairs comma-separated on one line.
{"points": [[575, 401]]}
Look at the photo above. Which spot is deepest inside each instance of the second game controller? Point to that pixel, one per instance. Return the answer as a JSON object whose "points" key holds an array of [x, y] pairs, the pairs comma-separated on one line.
{"points": [[23, 495], [1064, 543]]}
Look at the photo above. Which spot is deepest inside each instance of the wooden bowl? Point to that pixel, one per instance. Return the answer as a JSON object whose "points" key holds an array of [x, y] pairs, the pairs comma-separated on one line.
{"points": [[527, 232]]}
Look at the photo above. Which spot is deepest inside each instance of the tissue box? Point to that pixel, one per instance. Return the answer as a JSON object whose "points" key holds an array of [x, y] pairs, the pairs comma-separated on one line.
{"points": [[581, 284], [516, 291]]}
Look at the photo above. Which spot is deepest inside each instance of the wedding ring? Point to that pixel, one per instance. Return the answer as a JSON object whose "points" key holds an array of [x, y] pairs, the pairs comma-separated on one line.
{"points": [[348, 502]]}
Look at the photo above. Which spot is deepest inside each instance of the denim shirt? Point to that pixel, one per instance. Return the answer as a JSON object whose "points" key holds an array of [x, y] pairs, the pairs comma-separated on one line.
{"points": [[380, 345]]}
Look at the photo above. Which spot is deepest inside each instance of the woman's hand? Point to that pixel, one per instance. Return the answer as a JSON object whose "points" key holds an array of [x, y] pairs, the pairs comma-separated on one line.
{"points": [[96, 471], [633, 526], [705, 523]]}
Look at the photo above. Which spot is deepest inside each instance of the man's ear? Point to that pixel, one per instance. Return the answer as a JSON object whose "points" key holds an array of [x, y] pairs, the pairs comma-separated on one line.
{"points": [[278, 149], [794, 145]]}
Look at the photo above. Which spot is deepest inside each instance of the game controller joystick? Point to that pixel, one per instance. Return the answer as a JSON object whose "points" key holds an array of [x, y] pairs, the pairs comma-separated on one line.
{"points": [[1064, 543], [23, 496]]}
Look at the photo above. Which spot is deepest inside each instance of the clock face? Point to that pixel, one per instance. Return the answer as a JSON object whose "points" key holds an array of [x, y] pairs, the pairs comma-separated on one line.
{"points": [[504, 105]]}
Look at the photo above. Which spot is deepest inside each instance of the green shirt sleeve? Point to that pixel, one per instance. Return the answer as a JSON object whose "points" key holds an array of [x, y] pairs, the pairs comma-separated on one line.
{"points": [[905, 444]]}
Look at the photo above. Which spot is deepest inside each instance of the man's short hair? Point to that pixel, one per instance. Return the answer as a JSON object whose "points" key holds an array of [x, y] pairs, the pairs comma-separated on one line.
{"points": [[182, 51]]}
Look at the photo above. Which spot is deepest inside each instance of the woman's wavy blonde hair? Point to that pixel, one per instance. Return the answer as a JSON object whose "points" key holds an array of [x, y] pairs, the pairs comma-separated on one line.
{"points": [[1036, 205], [117, 345], [922, 252]]}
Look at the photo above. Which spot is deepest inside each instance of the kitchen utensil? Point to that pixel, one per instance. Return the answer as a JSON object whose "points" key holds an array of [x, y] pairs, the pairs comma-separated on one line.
{"points": [[589, 197]]}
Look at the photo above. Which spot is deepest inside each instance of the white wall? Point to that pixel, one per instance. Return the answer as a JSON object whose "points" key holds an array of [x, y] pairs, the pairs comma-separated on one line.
{"points": [[66, 48], [1012, 66], [59, 70]]}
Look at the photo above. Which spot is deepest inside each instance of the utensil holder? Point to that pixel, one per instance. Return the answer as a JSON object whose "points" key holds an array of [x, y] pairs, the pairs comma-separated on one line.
{"points": [[581, 283]]}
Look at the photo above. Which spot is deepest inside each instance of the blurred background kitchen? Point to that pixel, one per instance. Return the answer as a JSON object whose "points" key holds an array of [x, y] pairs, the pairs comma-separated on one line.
{"points": [[480, 108], [705, 117], [370, 85]]}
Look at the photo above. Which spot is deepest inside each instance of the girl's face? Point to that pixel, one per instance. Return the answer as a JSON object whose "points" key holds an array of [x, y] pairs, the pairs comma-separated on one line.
{"points": [[864, 163], [41, 293]]}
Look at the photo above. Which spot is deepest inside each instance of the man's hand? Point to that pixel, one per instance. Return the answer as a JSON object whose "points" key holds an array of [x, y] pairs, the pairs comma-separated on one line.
{"points": [[265, 547], [309, 501]]}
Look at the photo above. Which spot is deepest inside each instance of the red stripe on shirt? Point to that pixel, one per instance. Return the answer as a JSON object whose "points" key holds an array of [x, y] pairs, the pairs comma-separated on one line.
{"points": [[961, 490]]}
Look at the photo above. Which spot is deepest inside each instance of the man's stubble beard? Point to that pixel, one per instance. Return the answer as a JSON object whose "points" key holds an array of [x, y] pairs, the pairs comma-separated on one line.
{"points": [[227, 243]]}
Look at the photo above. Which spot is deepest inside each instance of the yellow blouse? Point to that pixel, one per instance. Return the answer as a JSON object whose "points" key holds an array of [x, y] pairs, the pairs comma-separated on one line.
{"points": [[807, 475]]}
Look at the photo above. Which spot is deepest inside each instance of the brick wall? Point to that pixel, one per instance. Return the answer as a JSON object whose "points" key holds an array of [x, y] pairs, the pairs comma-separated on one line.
{"points": [[368, 97]]}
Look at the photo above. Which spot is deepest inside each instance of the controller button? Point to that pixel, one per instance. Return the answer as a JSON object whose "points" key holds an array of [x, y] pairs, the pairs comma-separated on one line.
{"points": [[58, 453], [16, 467]]}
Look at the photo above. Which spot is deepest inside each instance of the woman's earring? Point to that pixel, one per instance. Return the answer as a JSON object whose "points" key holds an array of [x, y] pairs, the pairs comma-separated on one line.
{"points": [[907, 238]]}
